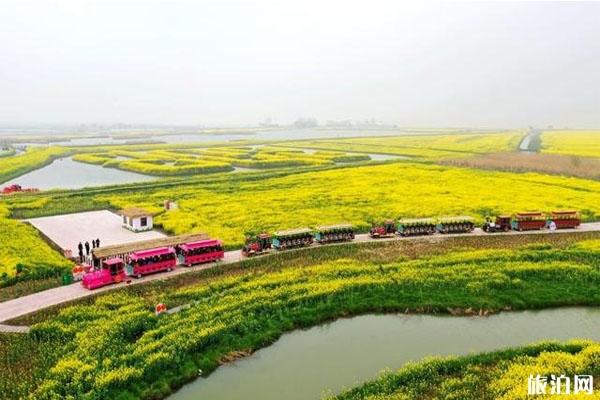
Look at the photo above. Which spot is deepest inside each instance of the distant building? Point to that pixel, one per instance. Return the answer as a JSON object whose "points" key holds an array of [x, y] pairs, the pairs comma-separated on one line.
{"points": [[137, 219], [170, 205], [346, 123], [268, 123], [306, 123]]}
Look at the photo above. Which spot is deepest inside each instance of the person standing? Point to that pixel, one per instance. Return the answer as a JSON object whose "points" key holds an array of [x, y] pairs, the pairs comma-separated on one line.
{"points": [[87, 248], [80, 247], [81, 254], [98, 242]]}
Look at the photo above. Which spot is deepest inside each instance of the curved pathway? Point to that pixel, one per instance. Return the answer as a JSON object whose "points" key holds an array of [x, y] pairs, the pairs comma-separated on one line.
{"points": [[37, 301]]}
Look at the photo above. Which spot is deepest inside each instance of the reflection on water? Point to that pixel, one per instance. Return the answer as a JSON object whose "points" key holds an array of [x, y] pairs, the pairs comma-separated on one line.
{"points": [[304, 364], [65, 173]]}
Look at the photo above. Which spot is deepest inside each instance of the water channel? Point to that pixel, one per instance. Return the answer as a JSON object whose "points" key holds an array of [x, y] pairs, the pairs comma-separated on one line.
{"points": [[306, 364]]}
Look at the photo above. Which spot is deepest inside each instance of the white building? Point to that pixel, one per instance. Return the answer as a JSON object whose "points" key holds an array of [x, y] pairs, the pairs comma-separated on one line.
{"points": [[137, 219]]}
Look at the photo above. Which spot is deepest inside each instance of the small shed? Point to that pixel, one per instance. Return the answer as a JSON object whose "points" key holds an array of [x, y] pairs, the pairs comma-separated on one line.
{"points": [[137, 219]]}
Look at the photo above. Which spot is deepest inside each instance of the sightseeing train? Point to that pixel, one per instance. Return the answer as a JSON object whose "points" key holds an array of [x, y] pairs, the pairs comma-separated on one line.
{"points": [[523, 221], [137, 264], [144, 262]]}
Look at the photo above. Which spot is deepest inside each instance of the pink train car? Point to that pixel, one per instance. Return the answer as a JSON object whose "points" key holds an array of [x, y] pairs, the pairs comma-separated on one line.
{"points": [[202, 251], [151, 261]]}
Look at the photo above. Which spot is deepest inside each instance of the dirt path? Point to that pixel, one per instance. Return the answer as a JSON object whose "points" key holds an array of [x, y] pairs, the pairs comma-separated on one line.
{"points": [[37, 301]]}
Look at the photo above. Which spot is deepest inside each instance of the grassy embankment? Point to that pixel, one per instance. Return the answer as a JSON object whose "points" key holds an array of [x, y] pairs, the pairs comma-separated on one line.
{"points": [[500, 375], [212, 160], [114, 347], [555, 164], [7, 152], [33, 158]]}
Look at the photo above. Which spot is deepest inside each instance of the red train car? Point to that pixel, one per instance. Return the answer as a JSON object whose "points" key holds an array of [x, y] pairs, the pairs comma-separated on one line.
{"points": [[567, 219], [257, 245], [150, 261], [202, 251], [529, 221]]}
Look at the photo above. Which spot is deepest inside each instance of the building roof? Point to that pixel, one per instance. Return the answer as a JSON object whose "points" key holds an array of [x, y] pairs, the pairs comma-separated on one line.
{"points": [[291, 232], [151, 253], [200, 244], [409, 221], [135, 212], [119, 249], [458, 218], [325, 228], [112, 261]]}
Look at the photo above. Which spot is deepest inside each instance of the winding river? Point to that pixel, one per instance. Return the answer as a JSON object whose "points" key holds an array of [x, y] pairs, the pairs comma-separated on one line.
{"points": [[64, 173], [308, 364]]}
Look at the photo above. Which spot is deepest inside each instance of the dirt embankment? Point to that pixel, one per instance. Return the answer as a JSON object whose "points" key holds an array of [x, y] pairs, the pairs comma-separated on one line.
{"points": [[582, 167]]}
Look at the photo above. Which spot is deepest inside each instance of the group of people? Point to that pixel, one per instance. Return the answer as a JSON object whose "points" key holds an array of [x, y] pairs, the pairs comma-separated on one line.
{"points": [[86, 246]]}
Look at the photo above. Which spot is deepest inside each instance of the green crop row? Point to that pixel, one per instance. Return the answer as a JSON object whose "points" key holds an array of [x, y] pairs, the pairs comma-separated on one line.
{"points": [[156, 168]]}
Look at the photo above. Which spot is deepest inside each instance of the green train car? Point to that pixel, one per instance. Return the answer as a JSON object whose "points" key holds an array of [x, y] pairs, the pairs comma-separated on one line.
{"points": [[460, 224], [415, 227], [334, 233], [292, 238]]}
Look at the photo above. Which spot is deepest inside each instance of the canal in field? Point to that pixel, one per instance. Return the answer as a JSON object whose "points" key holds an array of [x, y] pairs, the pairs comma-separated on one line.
{"points": [[308, 364], [64, 173]]}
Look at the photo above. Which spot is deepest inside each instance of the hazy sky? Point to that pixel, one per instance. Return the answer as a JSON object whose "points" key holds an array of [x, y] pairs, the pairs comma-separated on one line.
{"points": [[238, 62]]}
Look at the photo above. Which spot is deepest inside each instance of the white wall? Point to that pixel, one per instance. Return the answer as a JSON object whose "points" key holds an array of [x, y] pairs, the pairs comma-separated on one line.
{"points": [[135, 224]]}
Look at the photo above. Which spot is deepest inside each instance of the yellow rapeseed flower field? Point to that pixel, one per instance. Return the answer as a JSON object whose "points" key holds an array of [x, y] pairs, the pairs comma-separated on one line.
{"points": [[579, 143], [426, 146], [212, 160], [359, 195], [22, 244]]}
